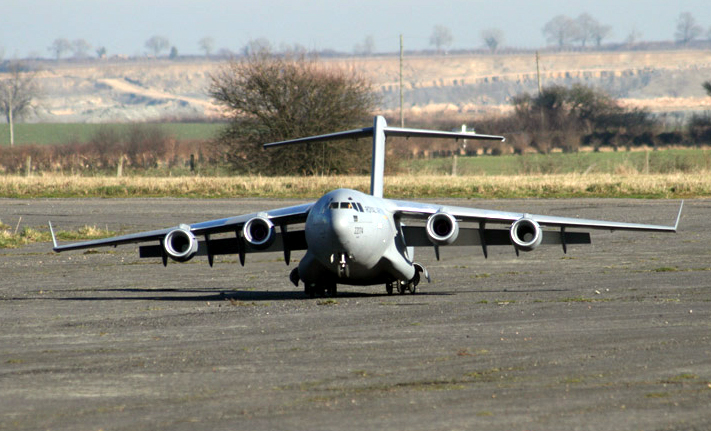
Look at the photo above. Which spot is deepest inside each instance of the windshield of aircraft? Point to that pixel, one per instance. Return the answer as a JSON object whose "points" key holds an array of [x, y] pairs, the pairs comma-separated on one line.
{"points": [[347, 206]]}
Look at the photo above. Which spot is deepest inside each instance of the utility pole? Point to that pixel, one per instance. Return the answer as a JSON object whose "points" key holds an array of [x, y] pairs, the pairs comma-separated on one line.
{"points": [[540, 89], [402, 54], [538, 74]]}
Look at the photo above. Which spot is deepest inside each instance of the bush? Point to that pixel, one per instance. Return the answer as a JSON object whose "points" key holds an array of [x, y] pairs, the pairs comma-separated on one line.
{"points": [[278, 98], [700, 128], [143, 147]]}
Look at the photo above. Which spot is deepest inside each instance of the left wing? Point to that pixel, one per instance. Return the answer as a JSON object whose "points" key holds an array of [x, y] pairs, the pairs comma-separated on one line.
{"points": [[524, 233], [253, 233]]}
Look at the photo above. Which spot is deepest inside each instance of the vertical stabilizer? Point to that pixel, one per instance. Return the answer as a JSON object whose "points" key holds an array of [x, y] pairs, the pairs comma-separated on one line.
{"points": [[377, 168]]}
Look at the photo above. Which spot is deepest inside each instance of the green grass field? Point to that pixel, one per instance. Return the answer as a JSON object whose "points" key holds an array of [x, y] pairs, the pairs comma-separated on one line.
{"points": [[60, 133], [621, 162]]}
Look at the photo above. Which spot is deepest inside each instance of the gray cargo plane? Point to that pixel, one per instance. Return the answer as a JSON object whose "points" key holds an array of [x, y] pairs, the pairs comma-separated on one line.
{"points": [[353, 238]]}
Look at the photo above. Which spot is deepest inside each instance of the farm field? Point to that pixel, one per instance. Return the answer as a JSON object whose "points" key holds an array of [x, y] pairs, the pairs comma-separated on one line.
{"points": [[610, 162]]}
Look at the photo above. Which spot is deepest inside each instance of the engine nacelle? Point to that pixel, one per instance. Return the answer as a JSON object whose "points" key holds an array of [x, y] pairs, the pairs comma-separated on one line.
{"points": [[442, 228], [180, 244], [526, 234], [259, 232]]}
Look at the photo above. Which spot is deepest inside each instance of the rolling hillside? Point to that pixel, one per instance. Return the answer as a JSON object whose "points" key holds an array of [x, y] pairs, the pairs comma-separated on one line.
{"points": [[154, 90]]}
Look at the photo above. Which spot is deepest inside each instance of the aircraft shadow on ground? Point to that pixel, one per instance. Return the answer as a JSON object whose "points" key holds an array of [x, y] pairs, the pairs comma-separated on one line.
{"points": [[213, 295]]}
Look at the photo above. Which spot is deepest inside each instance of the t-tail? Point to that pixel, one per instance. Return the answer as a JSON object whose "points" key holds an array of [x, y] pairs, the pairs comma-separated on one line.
{"points": [[380, 131]]}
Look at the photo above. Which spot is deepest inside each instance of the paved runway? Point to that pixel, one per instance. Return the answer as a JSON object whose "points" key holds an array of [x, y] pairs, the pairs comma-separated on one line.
{"points": [[611, 336]]}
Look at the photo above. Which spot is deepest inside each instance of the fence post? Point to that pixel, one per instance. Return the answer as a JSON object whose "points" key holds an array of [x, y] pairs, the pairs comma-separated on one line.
{"points": [[28, 168], [119, 167]]}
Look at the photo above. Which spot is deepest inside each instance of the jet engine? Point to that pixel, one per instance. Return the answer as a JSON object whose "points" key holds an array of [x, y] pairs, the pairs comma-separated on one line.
{"points": [[442, 228], [526, 234], [259, 232], [180, 244]]}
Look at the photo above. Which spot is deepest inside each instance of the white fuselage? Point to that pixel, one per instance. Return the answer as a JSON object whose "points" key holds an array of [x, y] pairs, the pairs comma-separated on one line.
{"points": [[353, 238]]}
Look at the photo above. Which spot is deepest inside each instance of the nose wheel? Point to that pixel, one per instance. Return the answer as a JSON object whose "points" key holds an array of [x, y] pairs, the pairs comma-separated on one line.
{"points": [[343, 269]]}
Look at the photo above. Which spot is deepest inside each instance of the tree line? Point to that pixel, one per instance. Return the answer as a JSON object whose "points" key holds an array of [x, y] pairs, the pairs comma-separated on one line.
{"points": [[561, 31]]}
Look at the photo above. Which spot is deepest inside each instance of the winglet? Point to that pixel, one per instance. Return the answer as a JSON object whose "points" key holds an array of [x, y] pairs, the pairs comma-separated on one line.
{"points": [[54, 238], [678, 217]]}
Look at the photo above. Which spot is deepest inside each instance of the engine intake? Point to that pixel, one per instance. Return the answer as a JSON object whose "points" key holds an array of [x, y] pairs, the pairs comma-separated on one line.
{"points": [[259, 232], [180, 244], [526, 234], [442, 228]]}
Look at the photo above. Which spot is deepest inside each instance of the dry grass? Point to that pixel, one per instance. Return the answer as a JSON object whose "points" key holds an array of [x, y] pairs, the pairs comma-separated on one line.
{"points": [[29, 235], [687, 185]]}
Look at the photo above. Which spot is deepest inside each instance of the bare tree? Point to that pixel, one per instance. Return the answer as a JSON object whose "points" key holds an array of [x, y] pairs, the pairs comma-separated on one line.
{"points": [[561, 30], [493, 37], [256, 46], [59, 47], [17, 91], [295, 50], [585, 24], [366, 48], [157, 44], [600, 32], [686, 28], [441, 37], [207, 45], [273, 98], [633, 36], [80, 47]]}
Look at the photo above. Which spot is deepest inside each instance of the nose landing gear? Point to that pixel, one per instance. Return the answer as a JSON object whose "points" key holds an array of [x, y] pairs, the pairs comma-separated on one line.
{"points": [[343, 270]]}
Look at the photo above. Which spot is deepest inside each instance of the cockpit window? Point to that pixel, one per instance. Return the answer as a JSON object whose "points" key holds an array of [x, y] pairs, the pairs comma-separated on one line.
{"points": [[346, 206]]}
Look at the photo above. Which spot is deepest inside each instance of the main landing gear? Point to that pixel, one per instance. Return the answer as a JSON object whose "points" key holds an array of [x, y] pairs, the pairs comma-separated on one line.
{"points": [[403, 286], [321, 289], [325, 288]]}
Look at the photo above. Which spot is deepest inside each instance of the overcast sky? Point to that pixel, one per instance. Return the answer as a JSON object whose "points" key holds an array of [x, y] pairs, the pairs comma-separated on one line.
{"points": [[28, 27]]}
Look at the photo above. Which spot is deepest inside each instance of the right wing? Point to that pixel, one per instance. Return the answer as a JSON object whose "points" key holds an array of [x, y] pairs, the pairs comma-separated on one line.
{"points": [[254, 232], [483, 235]]}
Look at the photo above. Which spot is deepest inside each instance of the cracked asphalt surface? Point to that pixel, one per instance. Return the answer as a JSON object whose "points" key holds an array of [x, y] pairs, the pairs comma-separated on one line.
{"points": [[610, 336]]}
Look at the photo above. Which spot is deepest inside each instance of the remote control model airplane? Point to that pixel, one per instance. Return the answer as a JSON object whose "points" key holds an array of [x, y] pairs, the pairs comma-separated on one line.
{"points": [[353, 238]]}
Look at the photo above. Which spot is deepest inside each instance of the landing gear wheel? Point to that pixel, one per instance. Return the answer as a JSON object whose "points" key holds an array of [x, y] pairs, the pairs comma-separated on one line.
{"points": [[313, 290], [309, 290]]}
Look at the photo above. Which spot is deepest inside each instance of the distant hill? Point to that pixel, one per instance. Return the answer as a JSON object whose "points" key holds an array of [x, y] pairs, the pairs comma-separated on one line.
{"points": [[155, 90]]}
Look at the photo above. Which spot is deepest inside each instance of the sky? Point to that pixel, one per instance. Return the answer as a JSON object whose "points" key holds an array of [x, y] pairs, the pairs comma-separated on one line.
{"points": [[28, 27]]}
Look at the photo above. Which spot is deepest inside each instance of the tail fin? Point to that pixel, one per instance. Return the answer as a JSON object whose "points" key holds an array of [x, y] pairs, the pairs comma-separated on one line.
{"points": [[379, 132]]}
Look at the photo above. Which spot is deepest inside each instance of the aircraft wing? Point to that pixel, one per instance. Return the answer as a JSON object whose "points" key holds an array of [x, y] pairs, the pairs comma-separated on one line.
{"points": [[483, 235], [282, 241]]}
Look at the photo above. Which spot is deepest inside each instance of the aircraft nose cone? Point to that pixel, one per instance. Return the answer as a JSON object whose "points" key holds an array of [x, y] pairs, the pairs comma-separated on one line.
{"points": [[341, 226]]}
